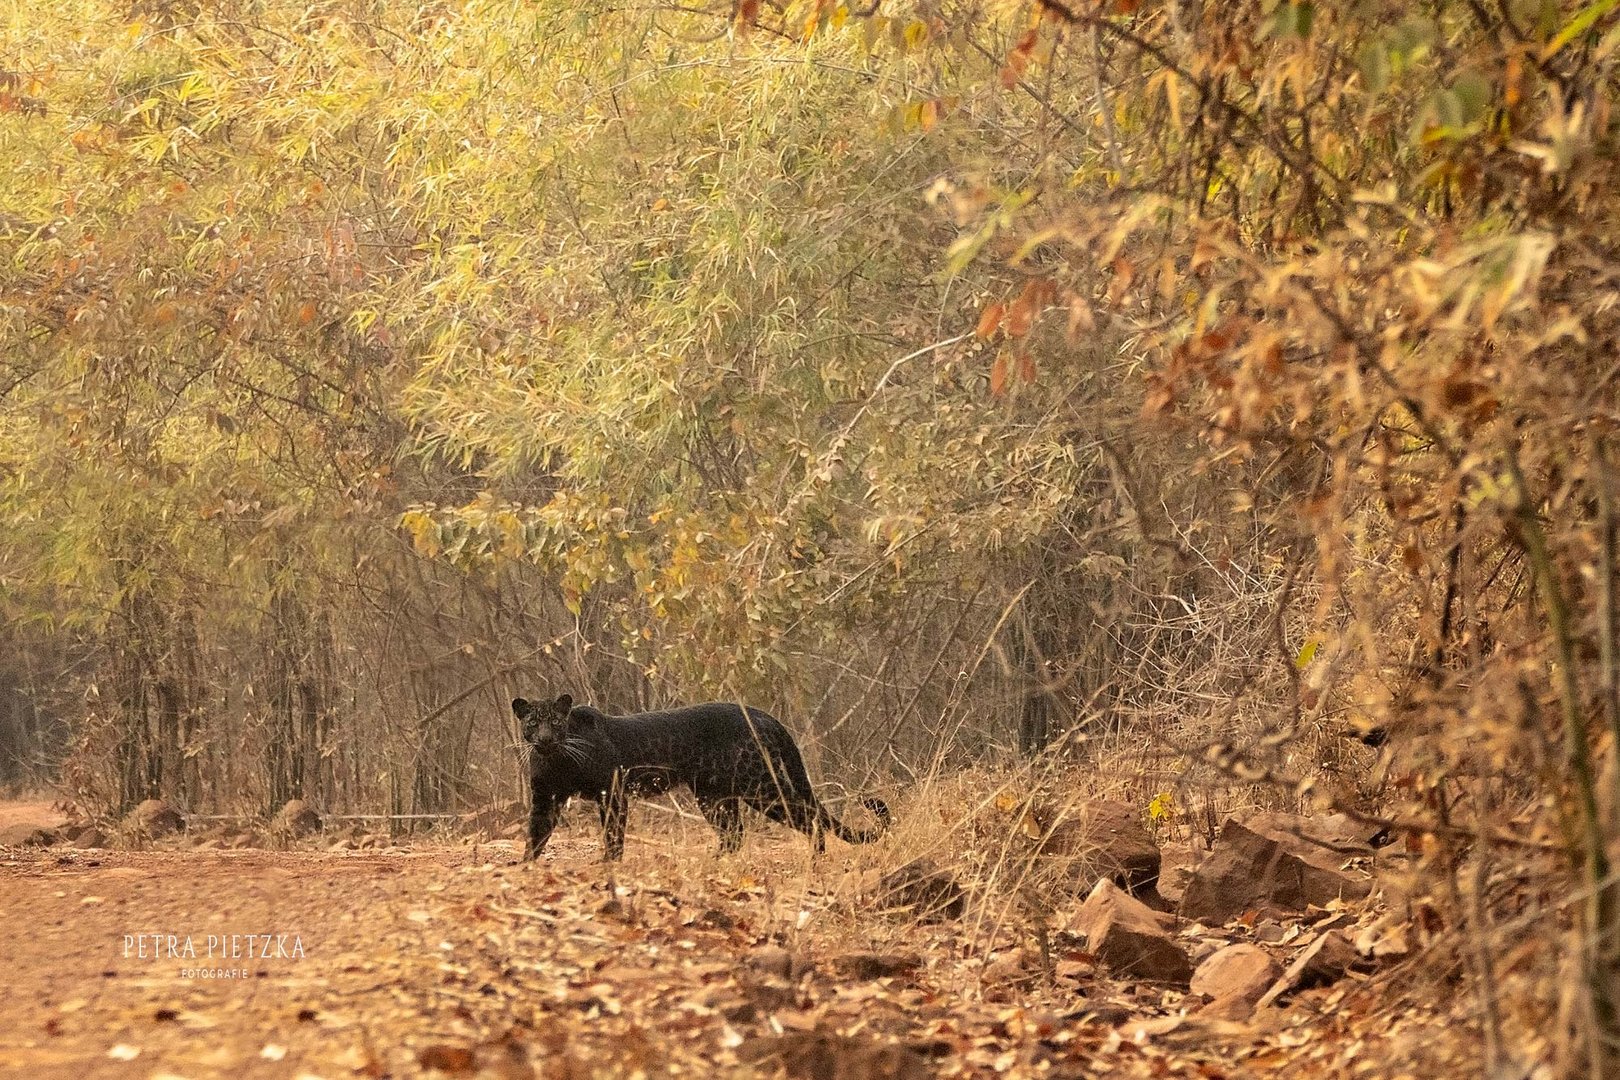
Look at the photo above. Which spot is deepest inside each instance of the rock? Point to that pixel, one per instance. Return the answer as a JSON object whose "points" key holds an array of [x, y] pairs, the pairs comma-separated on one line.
{"points": [[28, 836], [923, 890], [1129, 938], [154, 818], [1009, 972], [1176, 865], [296, 820], [1249, 870], [1330, 832], [1201, 948], [1323, 845], [1326, 960], [1322, 957], [1107, 839], [1234, 979], [869, 965], [90, 838]]}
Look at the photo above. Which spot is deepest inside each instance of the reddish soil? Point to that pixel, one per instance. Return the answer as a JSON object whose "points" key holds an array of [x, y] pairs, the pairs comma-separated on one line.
{"points": [[459, 961]]}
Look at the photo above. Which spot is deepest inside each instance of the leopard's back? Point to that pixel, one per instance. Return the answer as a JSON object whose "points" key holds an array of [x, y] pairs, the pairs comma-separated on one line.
{"points": [[717, 746]]}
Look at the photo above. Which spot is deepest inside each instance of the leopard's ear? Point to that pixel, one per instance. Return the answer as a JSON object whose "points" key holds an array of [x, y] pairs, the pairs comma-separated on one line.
{"points": [[521, 708], [565, 702]]}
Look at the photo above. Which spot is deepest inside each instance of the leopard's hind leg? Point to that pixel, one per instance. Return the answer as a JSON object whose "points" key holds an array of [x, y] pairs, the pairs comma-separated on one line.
{"points": [[796, 814], [725, 814]]}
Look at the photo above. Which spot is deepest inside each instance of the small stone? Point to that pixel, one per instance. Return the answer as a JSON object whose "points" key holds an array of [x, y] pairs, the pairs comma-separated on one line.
{"points": [[1269, 931], [1327, 960], [1234, 978]]}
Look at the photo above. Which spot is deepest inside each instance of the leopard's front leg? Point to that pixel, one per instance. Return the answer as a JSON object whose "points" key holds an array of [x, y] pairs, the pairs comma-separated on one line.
{"points": [[544, 810]]}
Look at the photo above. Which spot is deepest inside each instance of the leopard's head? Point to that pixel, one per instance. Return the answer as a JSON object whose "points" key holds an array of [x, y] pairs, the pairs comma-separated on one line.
{"points": [[545, 723]]}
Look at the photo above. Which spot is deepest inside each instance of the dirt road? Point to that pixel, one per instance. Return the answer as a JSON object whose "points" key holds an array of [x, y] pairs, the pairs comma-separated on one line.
{"points": [[454, 961], [458, 961]]}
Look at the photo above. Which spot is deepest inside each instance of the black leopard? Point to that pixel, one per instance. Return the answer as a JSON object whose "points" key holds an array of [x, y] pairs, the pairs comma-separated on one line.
{"points": [[731, 757]]}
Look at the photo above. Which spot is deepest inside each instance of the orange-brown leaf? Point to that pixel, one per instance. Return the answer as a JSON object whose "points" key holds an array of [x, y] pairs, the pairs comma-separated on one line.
{"points": [[998, 375], [1124, 274], [1021, 316], [928, 115], [989, 320]]}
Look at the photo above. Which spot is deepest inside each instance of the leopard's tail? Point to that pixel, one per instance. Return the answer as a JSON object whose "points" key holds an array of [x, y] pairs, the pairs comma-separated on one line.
{"points": [[804, 810], [880, 810]]}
